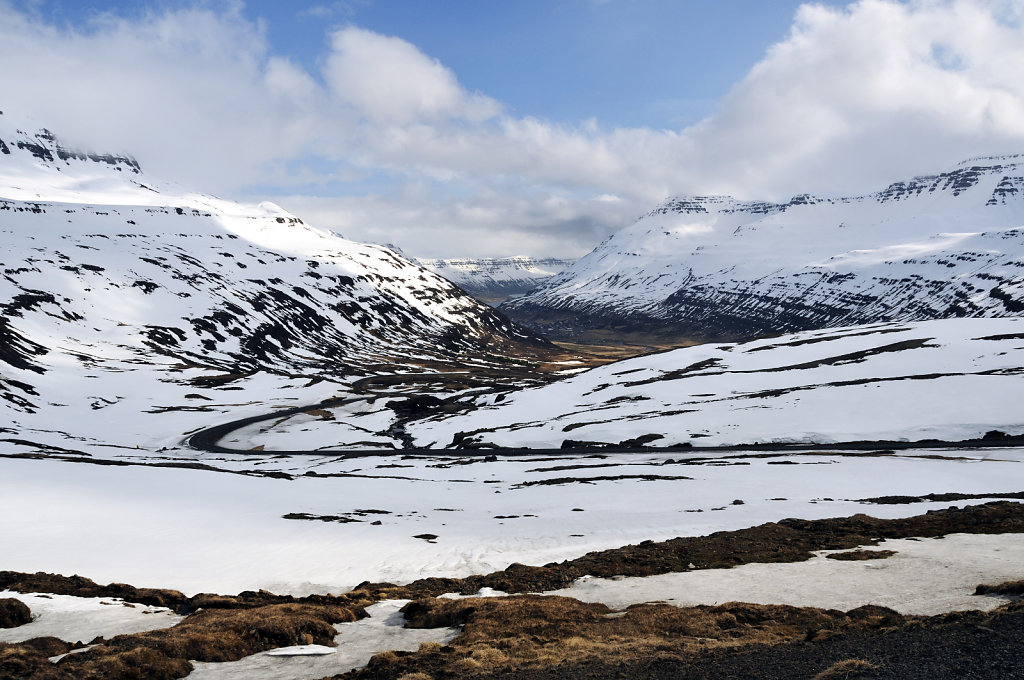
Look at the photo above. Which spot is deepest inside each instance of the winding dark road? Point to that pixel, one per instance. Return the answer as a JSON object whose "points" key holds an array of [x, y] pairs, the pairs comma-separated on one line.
{"points": [[208, 440]]}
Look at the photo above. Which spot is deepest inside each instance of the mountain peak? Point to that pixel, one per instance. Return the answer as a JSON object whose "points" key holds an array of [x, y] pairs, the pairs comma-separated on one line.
{"points": [[45, 148]]}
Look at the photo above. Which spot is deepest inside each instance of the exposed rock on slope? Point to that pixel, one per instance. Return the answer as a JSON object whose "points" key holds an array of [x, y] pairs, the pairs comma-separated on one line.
{"points": [[713, 267]]}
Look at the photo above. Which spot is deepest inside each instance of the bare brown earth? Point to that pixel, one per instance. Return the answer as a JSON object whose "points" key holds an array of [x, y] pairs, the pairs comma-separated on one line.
{"points": [[608, 349], [532, 637]]}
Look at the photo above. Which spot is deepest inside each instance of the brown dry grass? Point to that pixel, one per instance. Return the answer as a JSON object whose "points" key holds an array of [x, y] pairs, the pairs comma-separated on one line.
{"points": [[502, 634], [848, 668], [602, 351]]}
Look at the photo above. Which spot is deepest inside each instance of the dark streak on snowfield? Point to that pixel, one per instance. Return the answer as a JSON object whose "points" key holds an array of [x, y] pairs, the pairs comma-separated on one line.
{"points": [[208, 440]]}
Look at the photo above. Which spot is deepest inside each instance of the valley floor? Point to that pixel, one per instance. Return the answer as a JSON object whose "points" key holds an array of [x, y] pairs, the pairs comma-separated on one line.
{"points": [[302, 525], [318, 524]]}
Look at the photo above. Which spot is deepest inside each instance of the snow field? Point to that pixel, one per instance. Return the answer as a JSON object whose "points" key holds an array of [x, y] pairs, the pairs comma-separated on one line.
{"points": [[207, 531], [933, 379], [926, 577]]}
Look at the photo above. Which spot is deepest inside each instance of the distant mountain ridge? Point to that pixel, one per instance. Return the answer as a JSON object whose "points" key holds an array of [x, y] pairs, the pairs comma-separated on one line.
{"points": [[714, 267], [495, 279]]}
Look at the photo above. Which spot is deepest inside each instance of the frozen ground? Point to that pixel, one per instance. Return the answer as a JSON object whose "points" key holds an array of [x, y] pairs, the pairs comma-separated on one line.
{"points": [[82, 619], [925, 576], [212, 531], [356, 643]]}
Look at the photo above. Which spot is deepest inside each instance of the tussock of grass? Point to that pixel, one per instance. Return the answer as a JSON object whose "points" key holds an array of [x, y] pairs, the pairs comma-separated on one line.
{"points": [[21, 661], [849, 668], [14, 613], [428, 647]]}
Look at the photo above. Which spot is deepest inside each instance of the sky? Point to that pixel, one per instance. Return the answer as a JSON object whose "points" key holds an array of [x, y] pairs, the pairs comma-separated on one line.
{"points": [[488, 128]]}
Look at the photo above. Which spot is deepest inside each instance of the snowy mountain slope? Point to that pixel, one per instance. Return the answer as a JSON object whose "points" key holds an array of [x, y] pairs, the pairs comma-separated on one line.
{"points": [[496, 279], [947, 379], [123, 294], [947, 245]]}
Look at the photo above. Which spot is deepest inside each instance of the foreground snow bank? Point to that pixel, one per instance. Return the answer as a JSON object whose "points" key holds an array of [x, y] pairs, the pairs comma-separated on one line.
{"points": [[82, 619], [925, 576], [373, 518]]}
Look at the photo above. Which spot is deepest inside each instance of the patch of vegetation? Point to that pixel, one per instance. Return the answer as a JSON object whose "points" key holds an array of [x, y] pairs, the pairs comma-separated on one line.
{"points": [[861, 555], [847, 668], [1012, 588], [14, 613], [502, 635]]}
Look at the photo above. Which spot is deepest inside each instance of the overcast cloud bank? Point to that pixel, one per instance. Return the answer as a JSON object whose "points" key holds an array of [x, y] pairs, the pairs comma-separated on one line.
{"points": [[383, 143]]}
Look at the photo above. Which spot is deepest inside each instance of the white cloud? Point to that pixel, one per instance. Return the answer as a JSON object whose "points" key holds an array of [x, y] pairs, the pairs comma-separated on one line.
{"points": [[388, 80], [425, 223], [854, 96], [851, 99]]}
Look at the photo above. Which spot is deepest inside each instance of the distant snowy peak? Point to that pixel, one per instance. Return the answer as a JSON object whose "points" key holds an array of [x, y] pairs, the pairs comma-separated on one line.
{"points": [[36, 164], [496, 279], [714, 267], [44, 147]]}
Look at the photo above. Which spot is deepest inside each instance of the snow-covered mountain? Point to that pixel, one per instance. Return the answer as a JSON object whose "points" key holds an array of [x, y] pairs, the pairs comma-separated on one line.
{"points": [[494, 280], [949, 379], [123, 295], [713, 267]]}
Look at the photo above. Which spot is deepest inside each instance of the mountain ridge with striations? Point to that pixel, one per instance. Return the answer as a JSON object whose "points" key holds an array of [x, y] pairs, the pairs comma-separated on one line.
{"points": [[717, 268], [122, 295]]}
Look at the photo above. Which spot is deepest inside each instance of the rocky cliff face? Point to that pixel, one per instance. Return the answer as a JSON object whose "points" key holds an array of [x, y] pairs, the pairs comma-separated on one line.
{"points": [[713, 267]]}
